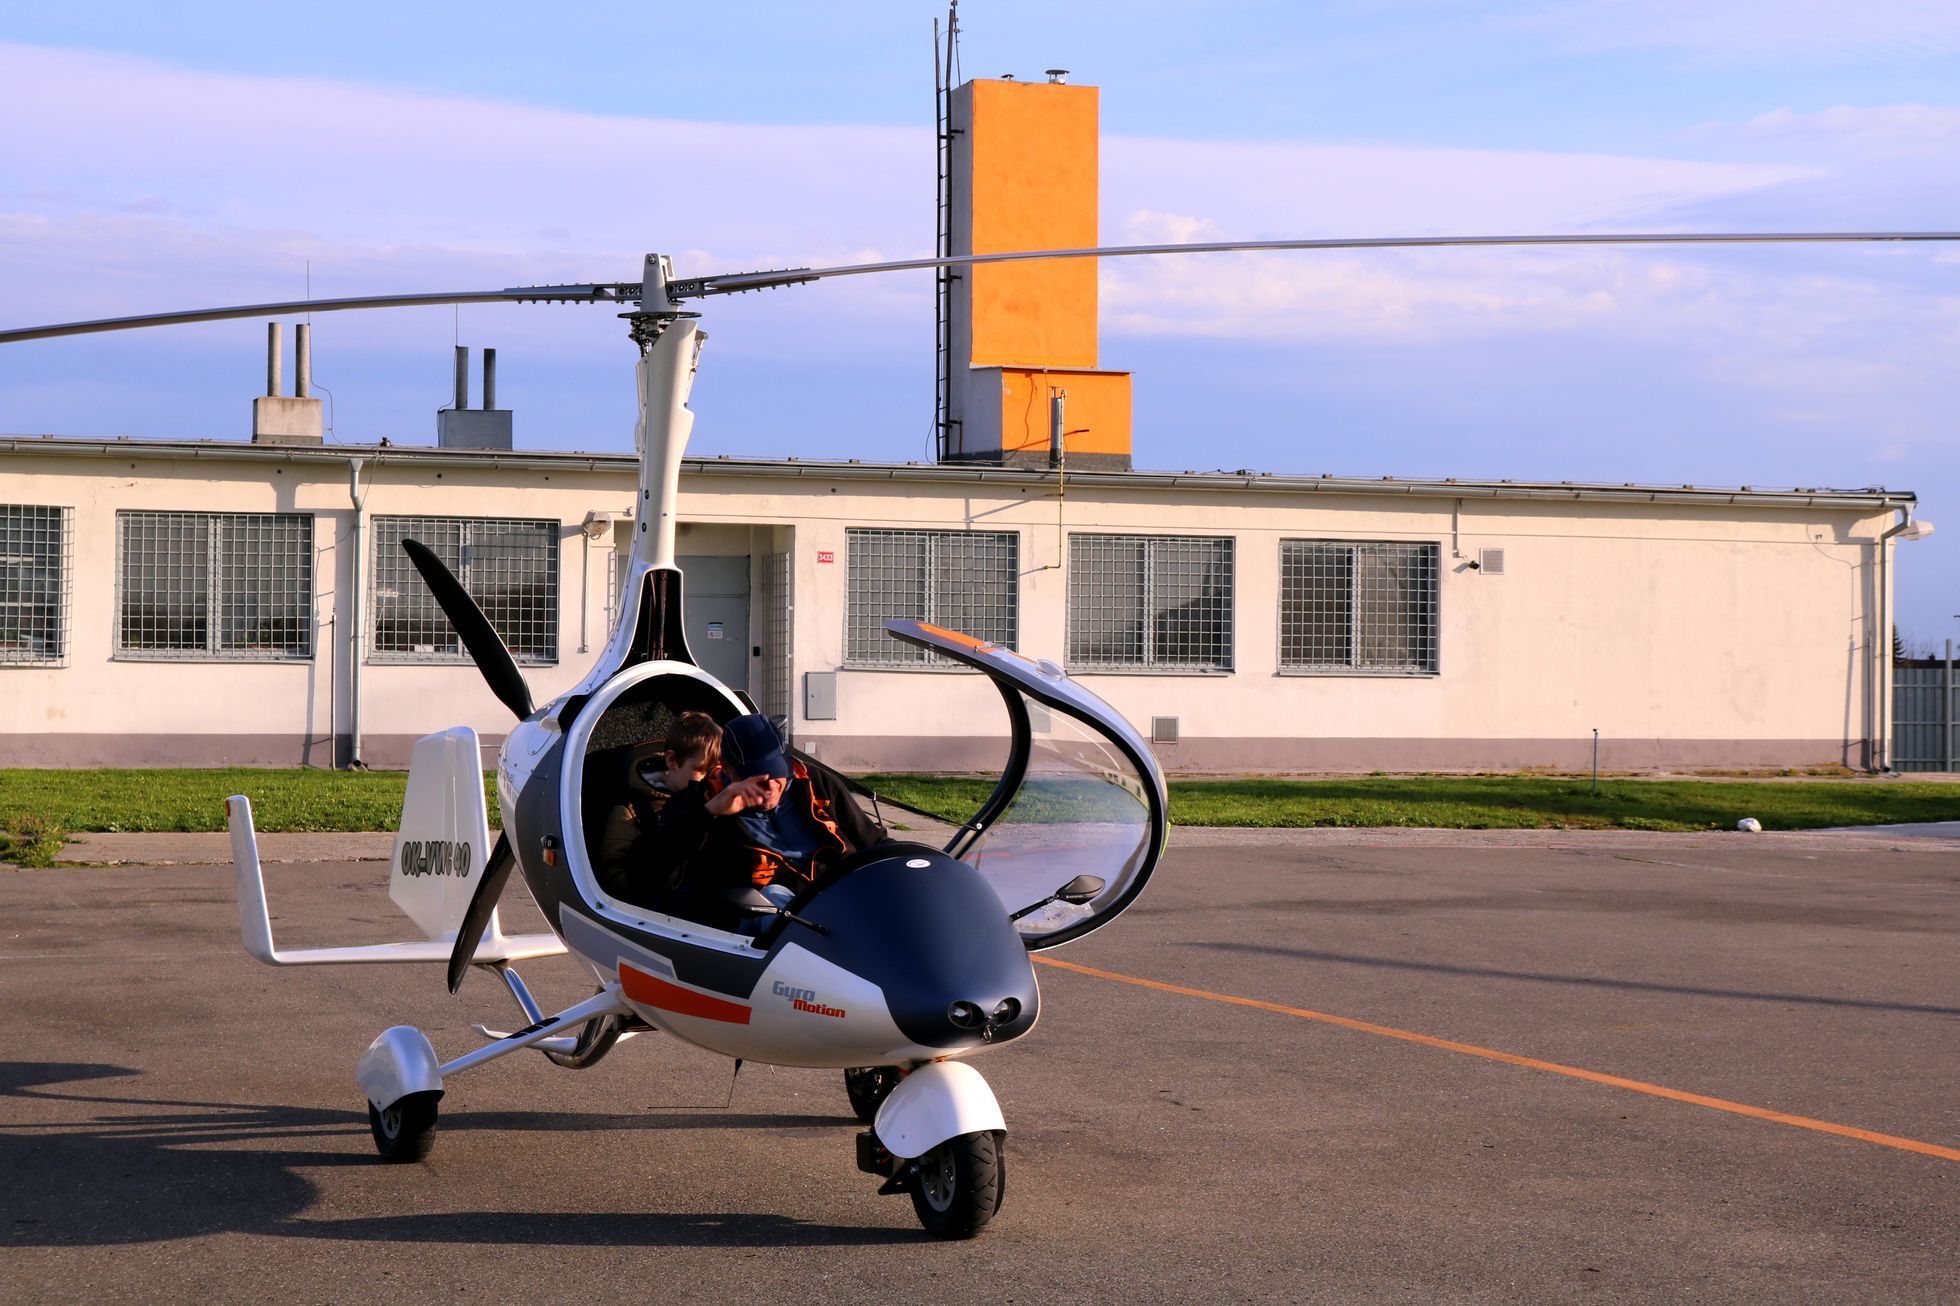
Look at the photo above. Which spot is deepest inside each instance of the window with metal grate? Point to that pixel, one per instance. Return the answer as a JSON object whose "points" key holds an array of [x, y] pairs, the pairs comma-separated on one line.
{"points": [[509, 566], [967, 581], [1150, 603], [1349, 607], [34, 584], [223, 586]]}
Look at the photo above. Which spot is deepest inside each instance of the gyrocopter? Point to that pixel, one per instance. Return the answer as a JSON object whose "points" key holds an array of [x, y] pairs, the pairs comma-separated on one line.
{"points": [[899, 964]]}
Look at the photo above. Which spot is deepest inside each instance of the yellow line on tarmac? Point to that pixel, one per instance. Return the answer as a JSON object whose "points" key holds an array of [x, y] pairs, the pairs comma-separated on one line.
{"points": [[1530, 1063]]}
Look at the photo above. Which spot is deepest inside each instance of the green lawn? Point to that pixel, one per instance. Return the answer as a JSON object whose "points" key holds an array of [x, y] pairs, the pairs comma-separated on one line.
{"points": [[39, 807], [1503, 802]]}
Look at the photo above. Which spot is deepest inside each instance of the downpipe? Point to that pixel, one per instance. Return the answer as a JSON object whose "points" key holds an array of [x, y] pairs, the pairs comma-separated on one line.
{"points": [[357, 591], [1883, 670]]}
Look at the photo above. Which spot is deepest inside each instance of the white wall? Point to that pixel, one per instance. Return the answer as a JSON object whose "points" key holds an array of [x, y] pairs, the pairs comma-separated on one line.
{"points": [[1689, 635]]}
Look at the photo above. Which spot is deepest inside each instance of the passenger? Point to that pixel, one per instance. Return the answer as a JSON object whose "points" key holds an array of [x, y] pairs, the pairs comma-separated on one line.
{"points": [[776, 825], [632, 863]]}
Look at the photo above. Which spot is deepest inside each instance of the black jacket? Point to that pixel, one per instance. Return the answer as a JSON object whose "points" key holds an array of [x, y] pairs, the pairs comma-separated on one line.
{"points": [[630, 859], [710, 855]]}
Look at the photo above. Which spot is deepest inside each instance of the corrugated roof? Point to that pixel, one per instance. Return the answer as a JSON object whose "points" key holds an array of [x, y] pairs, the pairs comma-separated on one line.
{"points": [[1215, 482]]}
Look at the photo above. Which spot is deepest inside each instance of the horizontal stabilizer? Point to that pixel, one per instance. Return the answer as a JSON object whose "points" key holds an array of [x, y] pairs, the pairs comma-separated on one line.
{"points": [[255, 919]]}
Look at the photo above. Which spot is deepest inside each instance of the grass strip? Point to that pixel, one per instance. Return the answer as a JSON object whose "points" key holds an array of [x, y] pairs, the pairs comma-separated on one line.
{"points": [[39, 808], [1500, 802]]}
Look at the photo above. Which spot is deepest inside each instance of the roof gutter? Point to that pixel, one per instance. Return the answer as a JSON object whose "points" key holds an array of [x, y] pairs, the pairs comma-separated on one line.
{"points": [[1869, 500]]}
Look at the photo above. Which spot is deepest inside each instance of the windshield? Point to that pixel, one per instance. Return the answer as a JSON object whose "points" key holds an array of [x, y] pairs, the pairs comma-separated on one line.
{"points": [[1090, 799], [1082, 810]]}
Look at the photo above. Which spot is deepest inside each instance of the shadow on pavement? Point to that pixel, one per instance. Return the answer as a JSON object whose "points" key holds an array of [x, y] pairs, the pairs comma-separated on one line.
{"points": [[140, 1171], [599, 1229]]}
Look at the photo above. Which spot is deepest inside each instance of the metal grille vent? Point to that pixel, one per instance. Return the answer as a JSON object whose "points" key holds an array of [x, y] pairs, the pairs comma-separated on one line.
{"points": [[35, 546], [967, 581], [510, 567], [777, 675], [1490, 561], [1350, 607], [1150, 603], [1163, 730], [226, 586]]}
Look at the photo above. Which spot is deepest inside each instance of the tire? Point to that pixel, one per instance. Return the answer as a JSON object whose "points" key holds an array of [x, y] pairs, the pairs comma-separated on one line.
{"points": [[868, 1087], [407, 1130], [595, 1038], [960, 1183]]}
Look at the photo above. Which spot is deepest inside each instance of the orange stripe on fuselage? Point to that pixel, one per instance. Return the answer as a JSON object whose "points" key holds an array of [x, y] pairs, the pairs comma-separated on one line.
{"points": [[657, 992]]}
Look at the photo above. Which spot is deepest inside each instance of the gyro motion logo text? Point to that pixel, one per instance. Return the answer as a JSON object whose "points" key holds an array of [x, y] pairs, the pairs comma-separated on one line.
{"points": [[805, 1000]]}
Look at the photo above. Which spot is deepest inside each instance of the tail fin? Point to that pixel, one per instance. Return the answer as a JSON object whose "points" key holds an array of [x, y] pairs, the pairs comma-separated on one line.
{"points": [[439, 854], [444, 840]]}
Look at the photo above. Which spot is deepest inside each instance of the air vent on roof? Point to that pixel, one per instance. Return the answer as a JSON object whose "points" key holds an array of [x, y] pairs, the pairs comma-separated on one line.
{"points": [[1163, 730], [1490, 561]]}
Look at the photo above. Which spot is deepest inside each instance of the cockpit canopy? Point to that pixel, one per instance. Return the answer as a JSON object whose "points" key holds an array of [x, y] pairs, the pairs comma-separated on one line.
{"points": [[1081, 795]]}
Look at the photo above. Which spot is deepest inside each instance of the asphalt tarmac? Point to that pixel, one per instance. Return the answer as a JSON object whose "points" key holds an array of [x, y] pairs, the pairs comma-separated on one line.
{"points": [[1634, 1061]]}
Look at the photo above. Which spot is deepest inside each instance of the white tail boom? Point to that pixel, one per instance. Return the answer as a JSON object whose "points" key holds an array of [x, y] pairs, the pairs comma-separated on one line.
{"points": [[442, 846]]}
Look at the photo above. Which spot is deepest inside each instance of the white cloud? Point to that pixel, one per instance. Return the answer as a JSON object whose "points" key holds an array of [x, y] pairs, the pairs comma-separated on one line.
{"points": [[1864, 130]]}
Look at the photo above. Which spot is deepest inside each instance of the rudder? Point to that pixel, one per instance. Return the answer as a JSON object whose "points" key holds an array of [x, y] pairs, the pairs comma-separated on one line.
{"points": [[444, 840]]}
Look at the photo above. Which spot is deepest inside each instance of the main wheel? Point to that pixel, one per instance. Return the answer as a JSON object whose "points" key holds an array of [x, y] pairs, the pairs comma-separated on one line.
{"points": [[868, 1087], [960, 1184], [595, 1038], [407, 1130]]}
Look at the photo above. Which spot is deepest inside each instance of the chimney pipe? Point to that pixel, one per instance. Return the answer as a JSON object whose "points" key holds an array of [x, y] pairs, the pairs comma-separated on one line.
{"points": [[489, 379], [462, 377], [303, 361], [275, 381]]}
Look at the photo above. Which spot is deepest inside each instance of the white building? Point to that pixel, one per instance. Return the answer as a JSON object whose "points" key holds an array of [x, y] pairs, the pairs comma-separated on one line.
{"points": [[213, 602]]}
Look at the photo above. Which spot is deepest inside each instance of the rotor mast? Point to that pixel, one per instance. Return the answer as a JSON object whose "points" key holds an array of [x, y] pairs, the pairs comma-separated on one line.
{"points": [[669, 342]]}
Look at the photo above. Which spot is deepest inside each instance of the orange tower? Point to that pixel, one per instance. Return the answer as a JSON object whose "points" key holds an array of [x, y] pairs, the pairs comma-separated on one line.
{"points": [[1024, 176]]}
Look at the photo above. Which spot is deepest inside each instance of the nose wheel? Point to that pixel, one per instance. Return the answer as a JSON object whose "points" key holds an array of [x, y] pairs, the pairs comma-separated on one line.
{"points": [[959, 1184]]}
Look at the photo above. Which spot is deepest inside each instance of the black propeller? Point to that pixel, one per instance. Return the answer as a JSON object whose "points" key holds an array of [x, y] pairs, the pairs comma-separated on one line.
{"points": [[486, 647], [484, 901]]}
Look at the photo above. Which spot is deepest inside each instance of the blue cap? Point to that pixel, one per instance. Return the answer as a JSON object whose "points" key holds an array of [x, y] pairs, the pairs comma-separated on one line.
{"points": [[751, 746]]}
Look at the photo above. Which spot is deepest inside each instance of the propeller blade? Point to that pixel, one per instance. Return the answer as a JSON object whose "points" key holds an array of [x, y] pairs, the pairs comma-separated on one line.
{"points": [[486, 647], [482, 903]]}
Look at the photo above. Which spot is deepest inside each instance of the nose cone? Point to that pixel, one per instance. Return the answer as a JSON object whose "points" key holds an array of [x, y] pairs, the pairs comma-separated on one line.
{"points": [[934, 937]]}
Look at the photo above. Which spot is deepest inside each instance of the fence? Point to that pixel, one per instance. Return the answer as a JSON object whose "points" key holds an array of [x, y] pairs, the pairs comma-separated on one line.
{"points": [[1926, 715]]}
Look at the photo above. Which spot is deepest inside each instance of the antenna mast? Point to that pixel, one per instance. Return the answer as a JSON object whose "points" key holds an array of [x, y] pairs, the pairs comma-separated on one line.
{"points": [[943, 71]]}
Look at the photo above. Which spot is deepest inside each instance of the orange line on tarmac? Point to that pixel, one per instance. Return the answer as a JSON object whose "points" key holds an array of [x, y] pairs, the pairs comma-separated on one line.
{"points": [[1530, 1063]]}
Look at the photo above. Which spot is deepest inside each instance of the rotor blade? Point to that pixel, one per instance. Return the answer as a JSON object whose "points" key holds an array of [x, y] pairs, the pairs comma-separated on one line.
{"points": [[621, 292], [735, 283], [476, 919], [486, 647], [609, 293]]}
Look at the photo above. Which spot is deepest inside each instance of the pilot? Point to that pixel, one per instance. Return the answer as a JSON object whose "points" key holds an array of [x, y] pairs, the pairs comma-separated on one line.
{"points": [[775, 824], [630, 859]]}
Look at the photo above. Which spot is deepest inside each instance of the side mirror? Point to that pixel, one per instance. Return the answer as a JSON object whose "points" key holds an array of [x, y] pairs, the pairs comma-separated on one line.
{"points": [[1080, 890], [1076, 892]]}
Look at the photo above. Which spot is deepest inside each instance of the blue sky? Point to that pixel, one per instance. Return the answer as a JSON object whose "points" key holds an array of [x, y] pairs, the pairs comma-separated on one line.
{"points": [[172, 156]]}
